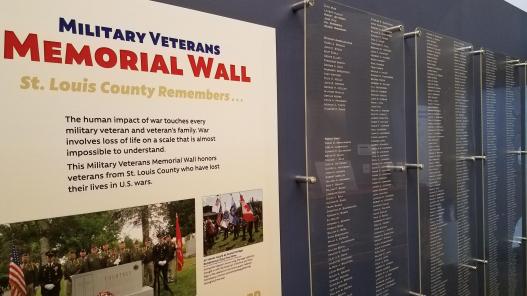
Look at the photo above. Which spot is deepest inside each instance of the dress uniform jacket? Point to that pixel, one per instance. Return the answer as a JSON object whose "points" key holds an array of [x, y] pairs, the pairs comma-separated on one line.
{"points": [[50, 273]]}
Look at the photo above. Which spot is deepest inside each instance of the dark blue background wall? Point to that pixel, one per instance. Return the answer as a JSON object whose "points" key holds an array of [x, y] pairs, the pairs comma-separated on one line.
{"points": [[493, 24]]}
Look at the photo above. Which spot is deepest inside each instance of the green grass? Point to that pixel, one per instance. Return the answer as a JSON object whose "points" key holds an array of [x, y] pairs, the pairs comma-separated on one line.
{"points": [[230, 243], [184, 286]]}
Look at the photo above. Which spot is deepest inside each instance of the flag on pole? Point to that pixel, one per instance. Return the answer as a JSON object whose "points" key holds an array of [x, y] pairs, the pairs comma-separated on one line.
{"points": [[226, 220], [219, 216], [16, 275], [247, 212], [233, 206], [234, 216], [179, 243], [216, 208]]}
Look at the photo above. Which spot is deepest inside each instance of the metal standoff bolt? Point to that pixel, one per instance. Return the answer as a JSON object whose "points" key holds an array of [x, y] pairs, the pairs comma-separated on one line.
{"points": [[480, 51], [512, 61], [398, 28], [415, 33], [520, 65], [301, 4], [515, 241], [419, 166], [466, 48], [468, 158], [480, 157], [482, 261], [469, 266], [399, 168], [306, 179], [415, 293], [518, 152], [521, 238]]}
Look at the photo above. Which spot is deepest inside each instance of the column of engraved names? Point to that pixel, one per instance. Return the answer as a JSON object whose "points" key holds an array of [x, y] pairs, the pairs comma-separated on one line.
{"points": [[338, 216], [434, 72], [462, 106], [510, 135], [337, 151], [336, 70], [492, 176], [383, 197]]}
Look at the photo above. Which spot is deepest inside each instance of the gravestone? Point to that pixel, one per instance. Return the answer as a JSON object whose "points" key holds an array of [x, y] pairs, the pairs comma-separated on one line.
{"points": [[126, 280]]}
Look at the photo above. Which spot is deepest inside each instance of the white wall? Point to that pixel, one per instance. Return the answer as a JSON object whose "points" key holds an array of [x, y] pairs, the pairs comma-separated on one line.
{"points": [[521, 4]]}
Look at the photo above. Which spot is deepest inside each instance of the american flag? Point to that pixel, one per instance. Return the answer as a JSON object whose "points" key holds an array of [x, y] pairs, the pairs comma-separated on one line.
{"points": [[16, 275]]}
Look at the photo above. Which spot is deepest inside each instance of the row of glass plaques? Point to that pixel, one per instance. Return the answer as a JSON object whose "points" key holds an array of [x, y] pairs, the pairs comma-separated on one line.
{"points": [[417, 141]]}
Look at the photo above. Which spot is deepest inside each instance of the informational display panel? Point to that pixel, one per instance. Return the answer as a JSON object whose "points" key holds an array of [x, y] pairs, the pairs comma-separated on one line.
{"points": [[445, 98], [504, 174], [139, 131], [356, 149]]}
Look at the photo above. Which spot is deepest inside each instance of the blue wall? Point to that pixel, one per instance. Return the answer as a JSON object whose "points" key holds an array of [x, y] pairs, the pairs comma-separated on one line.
{"points": [[493, 24]]}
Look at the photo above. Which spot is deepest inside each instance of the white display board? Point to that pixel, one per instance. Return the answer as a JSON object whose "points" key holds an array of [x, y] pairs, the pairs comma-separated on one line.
{"points": [[111, 105]]}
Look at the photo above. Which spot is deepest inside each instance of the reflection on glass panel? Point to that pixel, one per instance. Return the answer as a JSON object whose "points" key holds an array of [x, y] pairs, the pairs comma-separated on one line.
{"points": [[503, 175], [461, 230], [447, 189]]}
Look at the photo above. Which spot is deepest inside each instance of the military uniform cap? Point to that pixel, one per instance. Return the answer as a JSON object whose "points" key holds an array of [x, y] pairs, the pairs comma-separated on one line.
{"points": [[50, 254]]}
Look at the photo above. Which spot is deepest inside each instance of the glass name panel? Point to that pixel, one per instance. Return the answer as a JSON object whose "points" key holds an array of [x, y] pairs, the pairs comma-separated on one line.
{"points": [[504, 175], [356, 149], [447, 184]]}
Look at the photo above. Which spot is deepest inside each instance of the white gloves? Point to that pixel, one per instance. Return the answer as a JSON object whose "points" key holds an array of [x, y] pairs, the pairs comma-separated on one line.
{"points": [[49, 286], [117, 261], [162, 263]]}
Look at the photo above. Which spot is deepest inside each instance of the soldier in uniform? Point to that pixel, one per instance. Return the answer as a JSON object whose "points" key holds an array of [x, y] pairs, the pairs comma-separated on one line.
{"points": [[136, 252], [82, 255], [114, 257], [124, 254], [71, 267], [105, 256], [256, 222], [250, 225], [236, 224], [148, 264], [172, 264], [82, 260], [210, 232], [244, 228], [30, 270], [50, 275], [161, 256], [93, 260]]}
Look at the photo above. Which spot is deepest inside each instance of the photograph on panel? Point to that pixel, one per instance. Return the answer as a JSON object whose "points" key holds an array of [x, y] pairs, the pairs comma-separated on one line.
{"points": [[232, 220], [144, 250]]}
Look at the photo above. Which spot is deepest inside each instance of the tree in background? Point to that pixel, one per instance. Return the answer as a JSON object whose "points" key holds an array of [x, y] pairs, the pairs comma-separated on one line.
{"points": [[62, 233], [137, 216], [186, 212]]}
